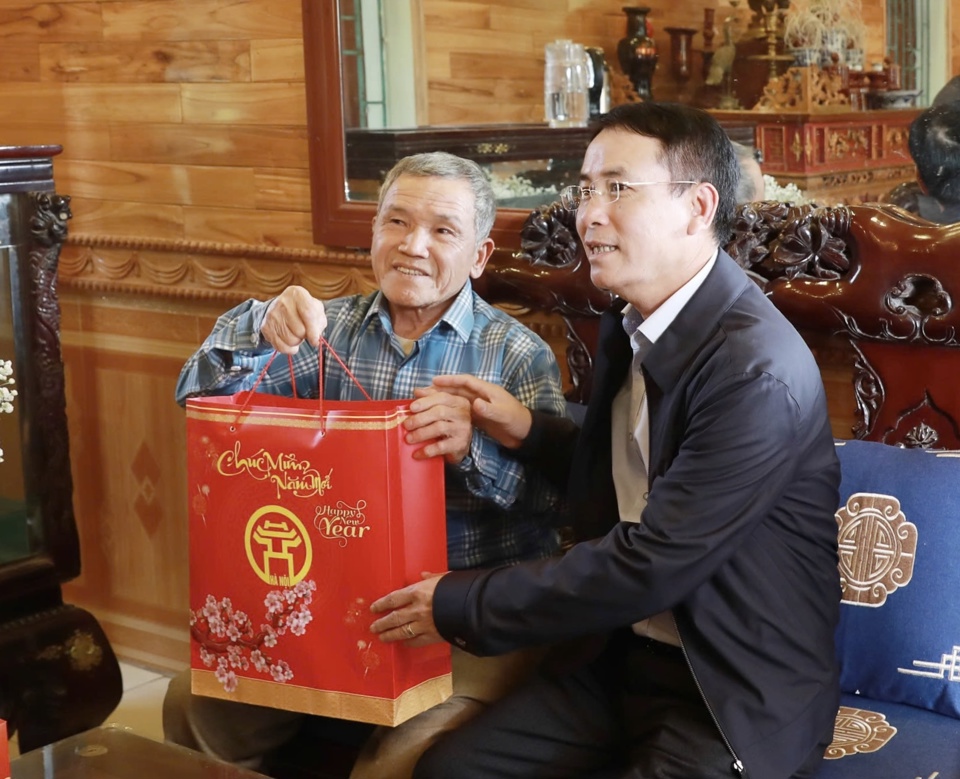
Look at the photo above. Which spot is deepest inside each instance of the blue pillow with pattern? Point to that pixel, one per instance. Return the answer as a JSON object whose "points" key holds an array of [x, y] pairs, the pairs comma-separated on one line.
{"points": [[899, 542]]}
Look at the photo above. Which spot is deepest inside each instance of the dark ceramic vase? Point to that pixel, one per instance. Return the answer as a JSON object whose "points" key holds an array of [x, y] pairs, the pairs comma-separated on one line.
{"points": [[637, 52]]}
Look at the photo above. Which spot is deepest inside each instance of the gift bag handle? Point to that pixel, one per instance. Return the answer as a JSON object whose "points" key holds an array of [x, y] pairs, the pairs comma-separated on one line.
{"points": [[325, 342], [293, 383]]}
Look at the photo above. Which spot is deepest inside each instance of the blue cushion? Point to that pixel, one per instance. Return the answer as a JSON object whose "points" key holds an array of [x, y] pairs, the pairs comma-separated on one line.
{"points": [[899, 531], [879, 740]]}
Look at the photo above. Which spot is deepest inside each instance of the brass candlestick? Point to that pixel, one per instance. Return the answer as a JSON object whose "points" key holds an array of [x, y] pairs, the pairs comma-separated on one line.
{"points": [[772, 18]]}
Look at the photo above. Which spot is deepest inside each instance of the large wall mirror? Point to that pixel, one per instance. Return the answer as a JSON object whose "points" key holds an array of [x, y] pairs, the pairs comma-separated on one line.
{"points": [[387, 78], [347, 160]]}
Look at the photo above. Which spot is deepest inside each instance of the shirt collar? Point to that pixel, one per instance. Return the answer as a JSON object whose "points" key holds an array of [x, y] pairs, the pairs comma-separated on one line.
{"points": [[654, 325], [458, 316]]}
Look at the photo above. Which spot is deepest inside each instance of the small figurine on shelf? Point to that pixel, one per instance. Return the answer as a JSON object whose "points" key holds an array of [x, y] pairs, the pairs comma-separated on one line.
{"points": [[721, 67]]}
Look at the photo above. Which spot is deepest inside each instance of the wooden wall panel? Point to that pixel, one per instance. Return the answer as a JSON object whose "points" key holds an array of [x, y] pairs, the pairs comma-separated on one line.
{"points": [[277, 60], [282, 190], [122, 360], [21, 61], [169, 20], [92, 103], [169, 61], [219, 144], [85, 141], [257, 104], [51, 21], [234, 225], [153, 183], [130, 218]]}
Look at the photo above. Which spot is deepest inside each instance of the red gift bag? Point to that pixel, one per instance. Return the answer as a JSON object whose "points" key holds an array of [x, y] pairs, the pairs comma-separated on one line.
{"points": [[302, 513]]}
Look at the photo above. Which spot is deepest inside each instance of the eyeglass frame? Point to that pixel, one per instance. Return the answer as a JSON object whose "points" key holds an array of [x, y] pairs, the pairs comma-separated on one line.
{"points": [[605, 197]]}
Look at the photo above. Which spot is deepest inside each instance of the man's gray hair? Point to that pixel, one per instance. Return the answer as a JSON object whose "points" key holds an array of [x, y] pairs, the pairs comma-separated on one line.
{"points": [[449, 166]]}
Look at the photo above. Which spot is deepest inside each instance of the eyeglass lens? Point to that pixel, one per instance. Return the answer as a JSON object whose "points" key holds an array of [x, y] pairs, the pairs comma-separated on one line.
{"points": [[608, 190]]}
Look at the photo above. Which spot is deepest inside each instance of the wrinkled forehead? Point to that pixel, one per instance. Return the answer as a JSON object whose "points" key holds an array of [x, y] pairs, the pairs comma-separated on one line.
{"points": [[430, 193], [432, 201]]}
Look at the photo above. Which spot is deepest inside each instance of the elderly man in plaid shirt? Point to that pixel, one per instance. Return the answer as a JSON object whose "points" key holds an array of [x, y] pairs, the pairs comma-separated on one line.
{"points": [[430, 237]]}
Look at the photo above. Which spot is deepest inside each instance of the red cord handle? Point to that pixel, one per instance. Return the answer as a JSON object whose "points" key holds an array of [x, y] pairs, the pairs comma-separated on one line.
{"points": [[324, 342], [293, 383]]}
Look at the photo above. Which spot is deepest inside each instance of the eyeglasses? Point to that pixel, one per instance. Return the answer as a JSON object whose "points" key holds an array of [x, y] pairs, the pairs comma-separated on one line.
{"points": [[607, 189]]}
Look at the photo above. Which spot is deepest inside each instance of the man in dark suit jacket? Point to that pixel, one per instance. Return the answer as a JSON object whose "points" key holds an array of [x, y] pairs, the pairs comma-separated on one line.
{"points": [[703, 484]]}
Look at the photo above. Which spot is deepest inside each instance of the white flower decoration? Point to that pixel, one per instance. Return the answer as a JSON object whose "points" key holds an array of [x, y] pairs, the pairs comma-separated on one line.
{"points": [[7, 395], [784, 193]]}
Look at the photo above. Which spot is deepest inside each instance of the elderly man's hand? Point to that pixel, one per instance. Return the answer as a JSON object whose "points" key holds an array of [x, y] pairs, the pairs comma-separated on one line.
{"points": [[443, 420], [408, 614], [493, 409], [294, 316]]}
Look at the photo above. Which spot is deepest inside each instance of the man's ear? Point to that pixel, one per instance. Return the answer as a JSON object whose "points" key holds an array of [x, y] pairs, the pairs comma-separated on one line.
{"points": [[704, 200], [484, 251]]}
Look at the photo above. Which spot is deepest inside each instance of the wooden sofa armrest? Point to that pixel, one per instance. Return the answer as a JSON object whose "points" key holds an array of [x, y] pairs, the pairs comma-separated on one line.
{"points": [[888, 282]]}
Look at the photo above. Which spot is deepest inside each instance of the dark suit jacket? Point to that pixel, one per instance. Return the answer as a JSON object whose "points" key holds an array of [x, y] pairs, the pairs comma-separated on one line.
{"points": [[738, 537]]}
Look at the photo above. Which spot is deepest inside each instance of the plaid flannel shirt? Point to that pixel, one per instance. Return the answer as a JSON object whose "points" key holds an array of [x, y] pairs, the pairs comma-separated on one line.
{"points": [[498, 510]]}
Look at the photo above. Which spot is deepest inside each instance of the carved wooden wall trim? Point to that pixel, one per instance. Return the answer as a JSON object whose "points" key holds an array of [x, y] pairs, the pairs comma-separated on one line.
{"points": [[211, 271], [208, 270]]}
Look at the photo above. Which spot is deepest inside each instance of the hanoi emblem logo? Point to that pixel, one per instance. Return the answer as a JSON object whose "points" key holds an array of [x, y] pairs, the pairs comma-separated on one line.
{"points": [[278, 547]]}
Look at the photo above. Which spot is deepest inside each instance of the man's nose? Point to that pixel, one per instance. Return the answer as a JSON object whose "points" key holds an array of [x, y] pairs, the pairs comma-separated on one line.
{"points": [[592, 211], [416, 241]]}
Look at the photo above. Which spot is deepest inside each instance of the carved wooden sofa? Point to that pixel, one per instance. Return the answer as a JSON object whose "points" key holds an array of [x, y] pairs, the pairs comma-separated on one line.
{"points": [[885, 283]]}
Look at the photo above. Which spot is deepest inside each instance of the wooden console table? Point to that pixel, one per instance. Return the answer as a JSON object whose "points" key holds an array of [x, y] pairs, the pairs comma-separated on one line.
{"points": [[845, 157]]}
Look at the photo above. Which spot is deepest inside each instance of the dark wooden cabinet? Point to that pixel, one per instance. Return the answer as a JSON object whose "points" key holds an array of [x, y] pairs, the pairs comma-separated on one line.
{"points": [[528, 163], [58, 674]]}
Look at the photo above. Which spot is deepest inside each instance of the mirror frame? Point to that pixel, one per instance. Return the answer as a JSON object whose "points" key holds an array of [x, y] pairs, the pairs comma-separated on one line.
{"points": [[336, 220]]}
